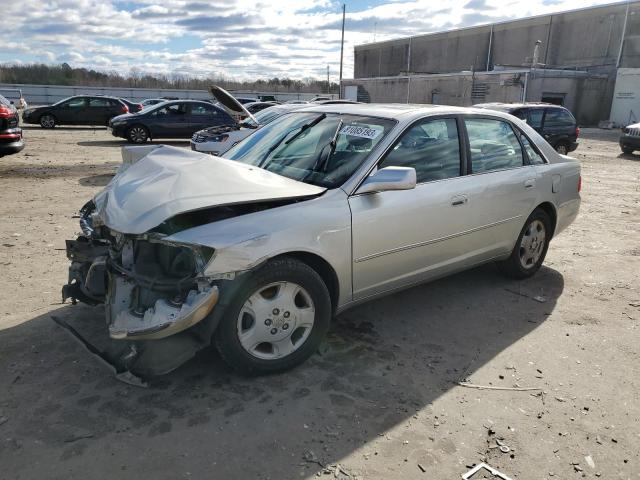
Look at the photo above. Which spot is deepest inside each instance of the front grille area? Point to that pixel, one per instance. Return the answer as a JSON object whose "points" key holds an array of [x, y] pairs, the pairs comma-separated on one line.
{"points": [[198, 138], [634, 132]]}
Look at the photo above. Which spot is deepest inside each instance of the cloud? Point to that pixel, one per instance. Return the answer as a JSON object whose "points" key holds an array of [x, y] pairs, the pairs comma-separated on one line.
{"points": [[235, 38]]}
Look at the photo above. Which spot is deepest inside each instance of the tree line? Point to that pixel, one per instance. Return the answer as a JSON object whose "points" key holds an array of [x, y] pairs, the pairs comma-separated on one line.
{"points": [[64, 74]]}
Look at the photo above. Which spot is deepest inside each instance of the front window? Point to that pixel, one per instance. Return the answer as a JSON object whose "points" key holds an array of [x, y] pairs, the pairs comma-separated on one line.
{"points": [[322, 149], [171, 110]]}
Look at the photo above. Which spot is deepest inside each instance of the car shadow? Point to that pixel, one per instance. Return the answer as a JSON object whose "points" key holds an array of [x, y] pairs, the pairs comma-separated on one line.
{"points": [[124, 143], [629, 156], [381, 363], [100, 180], [62, 127], [52, 170]]}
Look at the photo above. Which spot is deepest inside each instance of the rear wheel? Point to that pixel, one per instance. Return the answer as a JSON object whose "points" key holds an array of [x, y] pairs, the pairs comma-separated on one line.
{"points": [[276, 320], [47, 121], [531, 247], [137, 134], [562, 149]]}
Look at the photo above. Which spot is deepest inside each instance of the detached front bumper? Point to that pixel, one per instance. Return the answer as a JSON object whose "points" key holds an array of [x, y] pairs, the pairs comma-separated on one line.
{"points": [[139, 303]]}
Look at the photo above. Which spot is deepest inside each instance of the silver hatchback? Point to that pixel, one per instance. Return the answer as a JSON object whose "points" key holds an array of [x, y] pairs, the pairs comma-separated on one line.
{"points": [[323, 209]]}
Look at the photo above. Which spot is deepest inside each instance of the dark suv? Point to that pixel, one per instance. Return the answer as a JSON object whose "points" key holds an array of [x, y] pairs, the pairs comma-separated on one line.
{"points": [[555, 123], [10, 134], [80, 110]]}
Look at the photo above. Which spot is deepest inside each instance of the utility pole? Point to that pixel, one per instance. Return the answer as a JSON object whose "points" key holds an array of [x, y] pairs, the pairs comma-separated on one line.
{"points": [[328, 84], [344, 10]]}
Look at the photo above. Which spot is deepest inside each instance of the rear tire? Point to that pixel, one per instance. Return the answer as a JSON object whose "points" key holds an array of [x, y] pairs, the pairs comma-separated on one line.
{"points": [[531, 247], [276, 319], [137, 134], [562, 149], [47, 121]]}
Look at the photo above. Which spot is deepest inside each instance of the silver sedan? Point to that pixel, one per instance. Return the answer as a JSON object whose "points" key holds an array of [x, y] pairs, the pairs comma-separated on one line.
{"points": [[326, 208]]}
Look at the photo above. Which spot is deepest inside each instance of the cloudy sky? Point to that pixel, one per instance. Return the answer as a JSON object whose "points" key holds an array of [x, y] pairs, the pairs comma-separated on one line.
{"points": [[236, 38]]}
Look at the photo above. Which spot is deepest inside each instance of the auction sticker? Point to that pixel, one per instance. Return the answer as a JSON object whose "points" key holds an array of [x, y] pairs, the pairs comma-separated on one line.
{"points": [[363, 132]]}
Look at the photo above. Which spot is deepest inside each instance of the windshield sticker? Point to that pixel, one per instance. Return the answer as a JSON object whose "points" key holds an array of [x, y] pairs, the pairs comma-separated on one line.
{"points": [[362, 132]]}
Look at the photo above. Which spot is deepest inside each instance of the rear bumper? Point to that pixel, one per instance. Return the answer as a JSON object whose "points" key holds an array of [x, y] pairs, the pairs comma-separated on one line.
{"points": [[11, 141], [573, 146]]}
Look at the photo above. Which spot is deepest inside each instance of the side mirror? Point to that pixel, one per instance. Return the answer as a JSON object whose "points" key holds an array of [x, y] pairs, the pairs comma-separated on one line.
{"points": [[11, 102], [390, 178]]}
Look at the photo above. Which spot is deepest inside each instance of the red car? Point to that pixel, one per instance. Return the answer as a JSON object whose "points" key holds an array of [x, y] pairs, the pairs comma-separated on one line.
{"points": [[11, 140]]}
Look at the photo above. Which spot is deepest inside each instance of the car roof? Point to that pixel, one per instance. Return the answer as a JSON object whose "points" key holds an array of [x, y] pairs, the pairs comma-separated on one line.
{"points": [[391, 110], [514, 106]]}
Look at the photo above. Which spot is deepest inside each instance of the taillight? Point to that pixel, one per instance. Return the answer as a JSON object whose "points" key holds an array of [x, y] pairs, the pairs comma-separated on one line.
{"points": [[577, 131], [125, 109], [579, 183], [5, 112], [139, 106]]}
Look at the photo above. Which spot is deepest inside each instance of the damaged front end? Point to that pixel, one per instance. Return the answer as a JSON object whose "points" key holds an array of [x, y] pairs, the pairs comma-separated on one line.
{"points": [[152, 289]]}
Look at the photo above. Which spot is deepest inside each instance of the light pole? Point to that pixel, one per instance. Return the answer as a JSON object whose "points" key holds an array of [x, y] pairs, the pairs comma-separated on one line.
{"points": [[344, 9], [328, 84]]}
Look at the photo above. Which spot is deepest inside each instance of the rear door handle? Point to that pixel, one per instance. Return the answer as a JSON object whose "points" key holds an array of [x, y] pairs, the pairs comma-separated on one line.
{"points": [[459, 200], [530, 183]]}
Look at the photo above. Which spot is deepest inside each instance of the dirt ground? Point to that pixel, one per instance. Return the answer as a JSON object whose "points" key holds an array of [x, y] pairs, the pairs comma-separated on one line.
{"points": [[380, 400]]}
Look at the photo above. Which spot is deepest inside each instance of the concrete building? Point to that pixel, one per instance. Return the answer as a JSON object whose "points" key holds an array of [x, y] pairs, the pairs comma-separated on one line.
{"points": [[571, 58]]}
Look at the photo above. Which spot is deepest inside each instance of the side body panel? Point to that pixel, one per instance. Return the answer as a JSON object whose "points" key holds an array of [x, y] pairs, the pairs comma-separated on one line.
{"points": [[320, 226]]}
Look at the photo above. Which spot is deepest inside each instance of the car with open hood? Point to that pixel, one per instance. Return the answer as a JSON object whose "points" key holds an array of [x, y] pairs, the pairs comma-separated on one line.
{"points": [[630, 138], [326, 208], [217, 140]]}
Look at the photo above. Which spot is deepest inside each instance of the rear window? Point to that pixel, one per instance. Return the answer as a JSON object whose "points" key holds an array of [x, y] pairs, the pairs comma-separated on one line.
{"points": [[557, 117]]}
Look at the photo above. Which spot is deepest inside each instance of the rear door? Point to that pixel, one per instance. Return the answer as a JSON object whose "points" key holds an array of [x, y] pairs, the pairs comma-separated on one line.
{"points": [[205, 115], [98, 111], [559, 126], [501, 185]]}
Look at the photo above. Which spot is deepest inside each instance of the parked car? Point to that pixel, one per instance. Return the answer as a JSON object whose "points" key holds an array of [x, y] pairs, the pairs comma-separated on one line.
{"points": [[77, 110], [171, 119], [244, 100], [11, 140], [255, 107], [151, 101], [554, 122], [217, 140], [319, 211], [133, 107], [630, 138]]}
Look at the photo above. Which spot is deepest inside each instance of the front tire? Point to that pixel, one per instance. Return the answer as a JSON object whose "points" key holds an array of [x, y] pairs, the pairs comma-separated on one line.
{"points": [[47, 121], [531, 247], [276, 320], [137, 134]]}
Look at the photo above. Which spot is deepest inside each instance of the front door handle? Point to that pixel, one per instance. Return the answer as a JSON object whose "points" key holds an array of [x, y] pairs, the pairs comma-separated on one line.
{"points": [[459, 200], [530, 183]]}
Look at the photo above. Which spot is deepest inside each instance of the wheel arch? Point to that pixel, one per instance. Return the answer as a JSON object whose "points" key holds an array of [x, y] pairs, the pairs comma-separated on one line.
{"points": [[550, 209], [323, 268]]}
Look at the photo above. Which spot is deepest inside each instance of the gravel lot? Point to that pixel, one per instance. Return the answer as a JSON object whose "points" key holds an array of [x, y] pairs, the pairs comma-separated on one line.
{"points": [[380, 400]]}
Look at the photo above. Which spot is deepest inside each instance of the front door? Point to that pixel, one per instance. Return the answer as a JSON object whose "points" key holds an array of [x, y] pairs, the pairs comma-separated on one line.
{"points": [[73, 111], [404, 237]]}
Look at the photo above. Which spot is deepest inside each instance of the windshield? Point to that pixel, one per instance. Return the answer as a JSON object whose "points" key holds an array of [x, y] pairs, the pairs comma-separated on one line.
{"points": [[322, 149]]}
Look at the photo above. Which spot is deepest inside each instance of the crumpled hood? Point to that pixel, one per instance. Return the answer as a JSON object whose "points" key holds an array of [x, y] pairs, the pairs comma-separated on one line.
{"points": [[170, 180], [635, 125]]}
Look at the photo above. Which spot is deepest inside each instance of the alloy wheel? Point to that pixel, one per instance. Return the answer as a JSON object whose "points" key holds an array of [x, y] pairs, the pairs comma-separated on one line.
{"points": [[47, 121], [532, 244], [138, 135], [276, 320]]}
